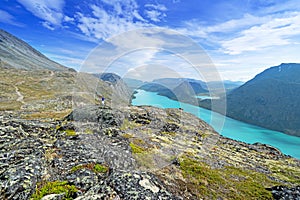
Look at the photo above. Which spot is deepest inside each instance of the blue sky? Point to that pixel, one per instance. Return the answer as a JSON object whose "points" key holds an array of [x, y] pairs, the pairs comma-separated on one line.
{"points": [[241, 37]]}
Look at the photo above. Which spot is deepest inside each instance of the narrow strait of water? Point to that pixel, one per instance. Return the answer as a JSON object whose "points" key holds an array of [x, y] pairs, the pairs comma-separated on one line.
{"points": [[234, 129]]}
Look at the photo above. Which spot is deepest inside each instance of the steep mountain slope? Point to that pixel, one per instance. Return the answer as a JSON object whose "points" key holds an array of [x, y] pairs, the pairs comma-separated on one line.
{"points": [[18, 54], [271, 99]]}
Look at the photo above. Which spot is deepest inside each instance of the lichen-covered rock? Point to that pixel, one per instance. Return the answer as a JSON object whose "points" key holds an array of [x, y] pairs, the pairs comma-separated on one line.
{"points": [[283, 192], [135, 153], [21, 157], [129, 185]]}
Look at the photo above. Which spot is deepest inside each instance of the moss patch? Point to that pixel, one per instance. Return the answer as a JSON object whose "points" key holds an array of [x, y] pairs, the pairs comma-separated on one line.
{"points": [[70, 132], [95, 167], [228, 182], [136, 149], [56, 187]]}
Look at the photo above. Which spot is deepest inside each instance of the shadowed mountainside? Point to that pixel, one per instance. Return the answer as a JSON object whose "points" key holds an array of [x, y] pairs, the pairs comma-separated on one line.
{"points": [[271, 99]]}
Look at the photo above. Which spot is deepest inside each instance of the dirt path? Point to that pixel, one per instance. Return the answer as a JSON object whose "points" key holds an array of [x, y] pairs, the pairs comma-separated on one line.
{"points": [[20, 96]]}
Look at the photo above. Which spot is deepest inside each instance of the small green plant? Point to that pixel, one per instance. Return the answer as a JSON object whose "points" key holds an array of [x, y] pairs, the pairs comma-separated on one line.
{"points": [[88, 131], [56, 187], [136, 149], [97, 168], [70, 132], [127, 135], [168, 133], [100, 168], [57, 127]]}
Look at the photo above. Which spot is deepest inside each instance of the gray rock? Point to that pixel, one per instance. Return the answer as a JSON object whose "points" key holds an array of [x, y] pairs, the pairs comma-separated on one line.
{"points": [[54, 197]]}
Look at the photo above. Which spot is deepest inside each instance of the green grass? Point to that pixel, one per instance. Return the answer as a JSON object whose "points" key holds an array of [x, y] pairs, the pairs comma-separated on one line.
{"points": [[228, 182], [56, 187]]}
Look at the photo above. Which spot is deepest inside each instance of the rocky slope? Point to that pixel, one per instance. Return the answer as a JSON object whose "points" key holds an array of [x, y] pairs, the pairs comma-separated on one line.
{"points": [[136, 153]]}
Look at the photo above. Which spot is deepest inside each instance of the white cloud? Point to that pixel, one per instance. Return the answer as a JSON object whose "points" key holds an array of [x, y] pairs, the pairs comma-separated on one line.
{"points": [[155, 12], [68, 19], [280, 6], [113, 17], [8, 18], [245, 46], [249, 33], [155, 15], [104, 23], [48, 10], [160, 7], [275, 32], [48, 25]]}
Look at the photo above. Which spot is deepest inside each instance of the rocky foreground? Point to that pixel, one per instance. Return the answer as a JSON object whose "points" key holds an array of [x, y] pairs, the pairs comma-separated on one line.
{"points": [[136, 153]]}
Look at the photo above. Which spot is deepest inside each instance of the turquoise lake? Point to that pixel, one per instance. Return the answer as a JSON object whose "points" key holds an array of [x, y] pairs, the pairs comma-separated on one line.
{"points": [[234, 129]]}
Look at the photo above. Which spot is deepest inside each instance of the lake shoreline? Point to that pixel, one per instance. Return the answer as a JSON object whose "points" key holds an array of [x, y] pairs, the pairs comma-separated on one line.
{"points": [[232, 128]]}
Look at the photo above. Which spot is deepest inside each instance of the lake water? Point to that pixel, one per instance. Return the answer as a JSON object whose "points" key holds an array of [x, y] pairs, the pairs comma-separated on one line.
{"points": [[234, 129], [206, 97]]}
